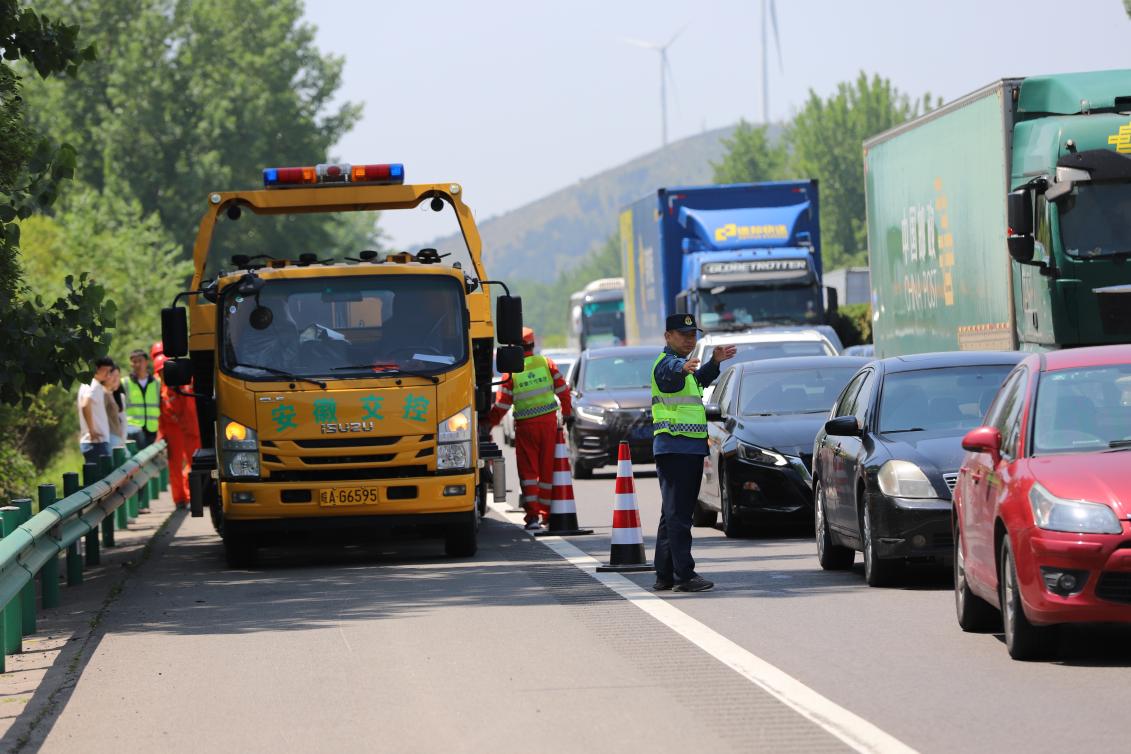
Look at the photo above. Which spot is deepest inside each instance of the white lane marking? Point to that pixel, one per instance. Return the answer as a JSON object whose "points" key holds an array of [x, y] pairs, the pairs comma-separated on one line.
{"points": [[850, 728]]}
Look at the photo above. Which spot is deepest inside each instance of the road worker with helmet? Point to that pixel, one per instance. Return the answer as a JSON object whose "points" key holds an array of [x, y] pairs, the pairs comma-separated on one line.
{"points": [[178, 427], [535, 394]]}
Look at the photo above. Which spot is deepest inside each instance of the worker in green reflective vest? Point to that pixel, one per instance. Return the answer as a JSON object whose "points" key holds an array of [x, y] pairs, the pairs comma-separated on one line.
{"points": [[679, 444], [143, 400]]}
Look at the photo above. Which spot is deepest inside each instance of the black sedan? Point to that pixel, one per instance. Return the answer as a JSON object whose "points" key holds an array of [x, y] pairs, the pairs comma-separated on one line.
{"points": [[612, 401], [886, 461], [760, 429]]}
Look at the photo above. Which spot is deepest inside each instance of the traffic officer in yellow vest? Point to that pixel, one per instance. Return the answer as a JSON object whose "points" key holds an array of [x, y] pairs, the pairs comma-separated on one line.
{"points": [[143, 400], [679, 443], [535, 394]]}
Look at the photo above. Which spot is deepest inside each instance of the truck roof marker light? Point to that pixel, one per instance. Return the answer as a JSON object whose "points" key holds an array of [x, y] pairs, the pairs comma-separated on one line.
{"points": [[333, 173], [392, 173], [289, 176]]}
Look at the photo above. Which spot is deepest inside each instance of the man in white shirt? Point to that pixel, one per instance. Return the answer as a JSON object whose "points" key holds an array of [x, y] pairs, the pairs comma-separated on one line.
{"points": [[93, 422]]}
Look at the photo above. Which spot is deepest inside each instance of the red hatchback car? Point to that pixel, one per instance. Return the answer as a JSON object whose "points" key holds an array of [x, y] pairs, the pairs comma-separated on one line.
{"points": [[1043, 501]]}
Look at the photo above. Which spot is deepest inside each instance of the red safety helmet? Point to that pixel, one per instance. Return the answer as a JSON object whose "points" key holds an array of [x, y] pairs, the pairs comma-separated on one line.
{"points": [[156, 349], [528, 337], [159, 362]]}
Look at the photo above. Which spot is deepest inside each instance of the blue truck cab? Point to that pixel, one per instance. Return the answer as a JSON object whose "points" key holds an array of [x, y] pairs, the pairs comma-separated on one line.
{"points": [[737, 256]]}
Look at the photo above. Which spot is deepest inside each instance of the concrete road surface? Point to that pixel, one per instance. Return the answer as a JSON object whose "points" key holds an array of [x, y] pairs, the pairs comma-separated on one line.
{"points": [[389, 646]]}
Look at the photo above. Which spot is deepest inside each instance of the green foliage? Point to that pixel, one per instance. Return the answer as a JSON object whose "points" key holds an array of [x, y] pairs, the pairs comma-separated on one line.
{"points": [[825, 140], [42, 342], [750, 157], [192, 96], [545, 306], [33, 435], [108, 239], [853, 323]]}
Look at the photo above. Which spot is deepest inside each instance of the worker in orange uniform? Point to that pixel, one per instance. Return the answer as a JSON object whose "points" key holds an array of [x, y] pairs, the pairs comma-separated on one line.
{"points": [[177, 426], [535, 394]]}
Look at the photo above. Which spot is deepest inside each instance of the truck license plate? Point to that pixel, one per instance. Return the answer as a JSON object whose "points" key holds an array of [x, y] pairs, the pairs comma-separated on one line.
{"points": [[348, 496]]}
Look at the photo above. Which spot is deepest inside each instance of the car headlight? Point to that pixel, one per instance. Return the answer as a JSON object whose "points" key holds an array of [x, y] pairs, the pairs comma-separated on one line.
{"points": [[593, 414], [754, 454], [239, 445], [905, 479], [1077, 516], [454, 436]]}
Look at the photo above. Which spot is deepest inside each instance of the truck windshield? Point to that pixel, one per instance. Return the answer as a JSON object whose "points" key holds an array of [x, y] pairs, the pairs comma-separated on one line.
{"points": [[724, 307], [602, 322], [1096, 220], [345, 327]]}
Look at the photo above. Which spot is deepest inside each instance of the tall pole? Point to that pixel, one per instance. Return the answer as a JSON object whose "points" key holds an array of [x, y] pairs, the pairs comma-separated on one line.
{"points": [[663, 97], [765, 70]]}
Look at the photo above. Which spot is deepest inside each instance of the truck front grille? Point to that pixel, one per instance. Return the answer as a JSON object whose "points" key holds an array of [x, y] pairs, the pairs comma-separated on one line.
{"points": [[347, 475], [350, 455]]}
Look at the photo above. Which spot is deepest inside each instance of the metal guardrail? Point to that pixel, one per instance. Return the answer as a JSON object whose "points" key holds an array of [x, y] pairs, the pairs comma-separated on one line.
{"points": [[113, 491]]}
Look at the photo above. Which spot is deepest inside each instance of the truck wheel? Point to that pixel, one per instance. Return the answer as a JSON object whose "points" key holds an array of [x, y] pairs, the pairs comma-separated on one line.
{"points": [[240, 550], [462, 540], [481, 495]]}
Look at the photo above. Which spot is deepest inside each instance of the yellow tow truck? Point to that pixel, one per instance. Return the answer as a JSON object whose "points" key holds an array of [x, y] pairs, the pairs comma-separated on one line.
{"points": [[344, 388]]}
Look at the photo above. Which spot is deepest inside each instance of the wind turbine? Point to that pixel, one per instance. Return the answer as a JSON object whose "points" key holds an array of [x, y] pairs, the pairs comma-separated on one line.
{"points": [[665, 69], [766, 54]]}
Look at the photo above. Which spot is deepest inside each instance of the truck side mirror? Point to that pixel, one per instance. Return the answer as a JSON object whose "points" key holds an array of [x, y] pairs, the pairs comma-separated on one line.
{"points": [[1021, 248], [177, 372], [508, 321], [510, 359], [174, 331], [1019, 211]]}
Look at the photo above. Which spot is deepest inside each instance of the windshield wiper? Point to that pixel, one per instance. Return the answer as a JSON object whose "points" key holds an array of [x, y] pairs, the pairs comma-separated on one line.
{"points": [[897, 431], [389, 371], [1118, 444], [281, 373]]}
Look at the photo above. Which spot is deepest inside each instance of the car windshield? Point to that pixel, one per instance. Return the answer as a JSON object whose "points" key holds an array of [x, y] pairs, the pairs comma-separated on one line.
{"points": [[795, 391], [949, 398], [618, 372], [345, 326], [1096, 220], [1084, 409], [722, 308]]}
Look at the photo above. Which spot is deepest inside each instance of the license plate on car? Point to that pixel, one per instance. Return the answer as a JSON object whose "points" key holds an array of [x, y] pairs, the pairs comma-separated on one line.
{"points": [[348, 496]]}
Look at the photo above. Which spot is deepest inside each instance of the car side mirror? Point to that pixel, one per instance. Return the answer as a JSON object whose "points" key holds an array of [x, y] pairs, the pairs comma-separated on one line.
{"points": [[510, 359], [984, 440], [177, 372], [843, 426], [714, 412]]}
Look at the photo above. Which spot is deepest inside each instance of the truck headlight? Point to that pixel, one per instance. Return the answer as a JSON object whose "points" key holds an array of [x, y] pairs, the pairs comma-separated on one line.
{"points": [[592, 414], [454, 438], [754, 454], [1076, 516], [239, 445], [905, 479]]}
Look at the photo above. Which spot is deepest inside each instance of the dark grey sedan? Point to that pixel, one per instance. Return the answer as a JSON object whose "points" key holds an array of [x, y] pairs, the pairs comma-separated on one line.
{"points": [[885, 462]]}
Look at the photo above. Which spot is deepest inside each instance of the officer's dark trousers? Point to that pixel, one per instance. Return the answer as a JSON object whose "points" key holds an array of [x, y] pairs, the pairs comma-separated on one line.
{"points": [[680, 476]]}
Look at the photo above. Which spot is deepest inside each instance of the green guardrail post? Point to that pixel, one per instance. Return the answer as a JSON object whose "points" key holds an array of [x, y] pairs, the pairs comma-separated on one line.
{"points": [[93, 556], [133, 503], [74, 558], [154, 487], [49, 573], [105, 466], [143, 498], [121, 516], [13, 624], [165, 478], [27, 594]]}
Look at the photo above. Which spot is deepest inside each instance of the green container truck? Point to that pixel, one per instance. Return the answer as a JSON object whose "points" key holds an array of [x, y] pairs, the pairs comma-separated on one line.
{"points": [[1002, 220]]}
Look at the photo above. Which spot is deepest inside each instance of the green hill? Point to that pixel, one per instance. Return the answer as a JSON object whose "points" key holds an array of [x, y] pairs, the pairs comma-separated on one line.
{"points": [[541, 239]]}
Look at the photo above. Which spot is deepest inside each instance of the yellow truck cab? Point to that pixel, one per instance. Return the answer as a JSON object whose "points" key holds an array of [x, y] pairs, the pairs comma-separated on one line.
{"points": [[342, 388]]}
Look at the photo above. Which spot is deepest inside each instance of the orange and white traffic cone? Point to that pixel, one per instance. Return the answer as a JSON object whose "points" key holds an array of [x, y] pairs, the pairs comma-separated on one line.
{"points": [[563, 510], [627, 542]]}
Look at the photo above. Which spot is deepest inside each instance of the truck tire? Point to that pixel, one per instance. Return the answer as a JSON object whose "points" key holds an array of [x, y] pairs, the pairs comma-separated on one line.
{"points": [[240, 550], [481, 495], [462, 540]]}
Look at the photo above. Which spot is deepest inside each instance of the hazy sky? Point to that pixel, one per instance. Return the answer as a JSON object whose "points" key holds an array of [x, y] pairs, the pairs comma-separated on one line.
{"points": [[515, 99]]}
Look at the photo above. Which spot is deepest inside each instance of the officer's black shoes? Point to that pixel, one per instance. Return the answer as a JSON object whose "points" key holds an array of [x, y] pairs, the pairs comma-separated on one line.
{"points": [[694, 584], [661, 586]]}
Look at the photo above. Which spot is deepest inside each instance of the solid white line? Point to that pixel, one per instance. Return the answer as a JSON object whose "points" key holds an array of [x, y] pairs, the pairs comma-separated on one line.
{"points": [[850, 728]]}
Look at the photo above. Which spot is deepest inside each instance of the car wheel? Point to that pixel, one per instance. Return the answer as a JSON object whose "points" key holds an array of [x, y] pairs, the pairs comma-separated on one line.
{"points": [[1023, 640], [462, 540], [974, 613], [240, 550], [731, 525], [831, 556], [877, 571], [702, 516], [581, 470]]}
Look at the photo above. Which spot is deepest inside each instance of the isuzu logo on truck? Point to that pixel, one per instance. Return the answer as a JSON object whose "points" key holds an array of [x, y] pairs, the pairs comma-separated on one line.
{"points": [[339, 427]]}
